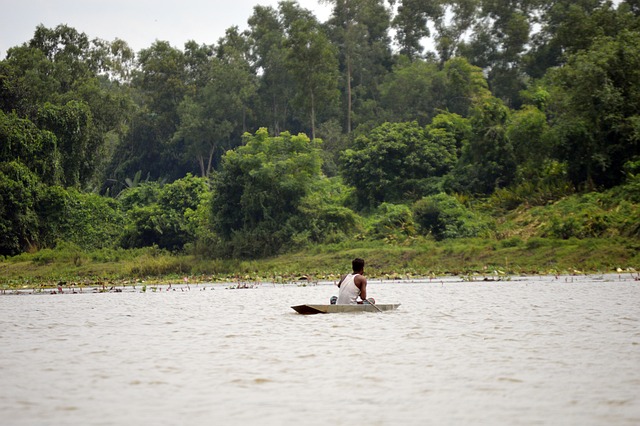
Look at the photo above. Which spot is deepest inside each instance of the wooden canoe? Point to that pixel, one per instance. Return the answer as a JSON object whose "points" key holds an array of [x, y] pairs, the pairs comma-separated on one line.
{"points": [[334, 309]]}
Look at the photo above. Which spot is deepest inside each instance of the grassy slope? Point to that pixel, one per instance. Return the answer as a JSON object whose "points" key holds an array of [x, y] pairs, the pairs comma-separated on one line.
{"points": [[424, 258]]}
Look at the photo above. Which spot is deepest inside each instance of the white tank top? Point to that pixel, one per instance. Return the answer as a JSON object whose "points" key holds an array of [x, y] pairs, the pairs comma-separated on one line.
{"points": [[349, 292]]}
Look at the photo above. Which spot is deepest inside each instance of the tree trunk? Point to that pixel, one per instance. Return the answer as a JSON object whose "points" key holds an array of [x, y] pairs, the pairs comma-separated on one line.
{"points": [[244, 119], [313, 118], [201, 163], [348, 94], [210, 163], [276, 126]]}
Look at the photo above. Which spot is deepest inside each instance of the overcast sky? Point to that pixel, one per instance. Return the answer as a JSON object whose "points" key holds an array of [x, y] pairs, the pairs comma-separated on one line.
{"points": [[138, 22]]}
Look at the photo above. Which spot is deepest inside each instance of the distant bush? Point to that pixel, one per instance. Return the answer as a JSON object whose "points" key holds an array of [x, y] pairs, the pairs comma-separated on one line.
{"points": [[391, 221], [534, 243], [163, 215], [18, 219], [65, 252], [87, 220], [324, 215], [550, 185], [443, 216], [588, 216], [511, 242], [160, 265]]}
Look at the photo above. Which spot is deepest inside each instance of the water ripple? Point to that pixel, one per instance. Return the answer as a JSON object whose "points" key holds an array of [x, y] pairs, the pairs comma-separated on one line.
{"points": [[530, 351]]}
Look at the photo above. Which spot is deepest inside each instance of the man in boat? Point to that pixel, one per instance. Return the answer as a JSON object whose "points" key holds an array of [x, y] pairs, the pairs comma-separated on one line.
{"points": [[353, 285]]}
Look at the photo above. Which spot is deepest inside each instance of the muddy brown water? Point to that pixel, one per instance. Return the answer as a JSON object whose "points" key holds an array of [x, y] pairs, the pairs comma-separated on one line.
{"points": [[530, 351]]}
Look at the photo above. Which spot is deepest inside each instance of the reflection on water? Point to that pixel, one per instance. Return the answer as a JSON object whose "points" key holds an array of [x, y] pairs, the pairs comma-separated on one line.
{"points": [[528, 351]]}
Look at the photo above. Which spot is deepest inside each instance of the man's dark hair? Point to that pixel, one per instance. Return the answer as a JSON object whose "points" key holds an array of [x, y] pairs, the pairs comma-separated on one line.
{"points": [[357, 264]]}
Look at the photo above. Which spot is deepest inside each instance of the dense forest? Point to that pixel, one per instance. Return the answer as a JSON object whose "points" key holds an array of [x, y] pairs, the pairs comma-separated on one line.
{"points": [[391, 121]]}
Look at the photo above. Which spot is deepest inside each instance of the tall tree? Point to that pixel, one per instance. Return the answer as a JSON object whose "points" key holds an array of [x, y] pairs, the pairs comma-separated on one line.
{"points": [[595, 109], [312, 61], [360, 30], [74, 128], [413, 91], [450, 19], [259, 189], [18, 218], [161, 80], [160, 84], [487, 161], [68, 49], [566, 27], [418, 90], [61, 69], [395, 162], [35, 148], [210, 117], [411, 23], [269, 30]]}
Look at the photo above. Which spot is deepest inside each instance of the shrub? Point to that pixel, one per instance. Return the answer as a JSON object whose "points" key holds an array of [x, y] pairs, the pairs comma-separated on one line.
{"points": [[87, 220], [443, 216], [585, 216], [325, 218], [392, 221], [18, 219], [163, 215]]}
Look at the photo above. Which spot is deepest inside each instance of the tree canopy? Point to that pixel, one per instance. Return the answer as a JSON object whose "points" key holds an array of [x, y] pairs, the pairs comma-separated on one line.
{"points": [[413, 99]]}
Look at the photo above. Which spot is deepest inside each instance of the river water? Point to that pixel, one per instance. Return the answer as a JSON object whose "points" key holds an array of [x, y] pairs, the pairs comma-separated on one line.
{"points": [[528, 351]]}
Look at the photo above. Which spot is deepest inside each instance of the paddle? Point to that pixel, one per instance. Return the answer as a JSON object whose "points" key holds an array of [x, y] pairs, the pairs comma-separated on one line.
{"points": [[374, 305]]}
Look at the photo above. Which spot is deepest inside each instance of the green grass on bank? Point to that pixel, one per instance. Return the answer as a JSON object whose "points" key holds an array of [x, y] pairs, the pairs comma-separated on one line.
{"points": [[415, 258]]}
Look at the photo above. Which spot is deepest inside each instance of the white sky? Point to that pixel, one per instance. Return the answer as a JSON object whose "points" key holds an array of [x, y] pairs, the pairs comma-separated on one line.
{"points": [[138, 22]]}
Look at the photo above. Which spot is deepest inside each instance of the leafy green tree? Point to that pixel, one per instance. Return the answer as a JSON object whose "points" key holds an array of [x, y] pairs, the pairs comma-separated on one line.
{"points": [[218, 110], [451, 20], [499, 40], [411, 23], [73, 126], [142, 151], [414, 91], [395, 161], [595, 105], [115, 59], [324, 215], [528, 132], [258, 192], [567, 27], [18, 219], [451, 125], [87, 220], [360, 30], [165, 76], [268, 32], [197, 58], [465, 86], [64, 83], [392, 223], [334, 141], [487, 161], [311, 58], [161, 80], [159, 215], [69, 50], [418, 90], [443, 217], [27, 79], [21, 139]]}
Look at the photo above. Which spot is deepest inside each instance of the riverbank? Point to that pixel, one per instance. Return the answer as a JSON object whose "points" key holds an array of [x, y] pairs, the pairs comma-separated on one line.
{"points": [[68, 265]]}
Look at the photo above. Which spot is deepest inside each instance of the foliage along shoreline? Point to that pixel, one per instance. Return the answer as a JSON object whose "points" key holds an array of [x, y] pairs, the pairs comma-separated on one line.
{"points": [[468, 258], [519, 132]]}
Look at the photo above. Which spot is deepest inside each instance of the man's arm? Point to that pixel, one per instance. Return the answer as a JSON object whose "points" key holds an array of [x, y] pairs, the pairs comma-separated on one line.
{"points": [[361, 283], [341, 279]]}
